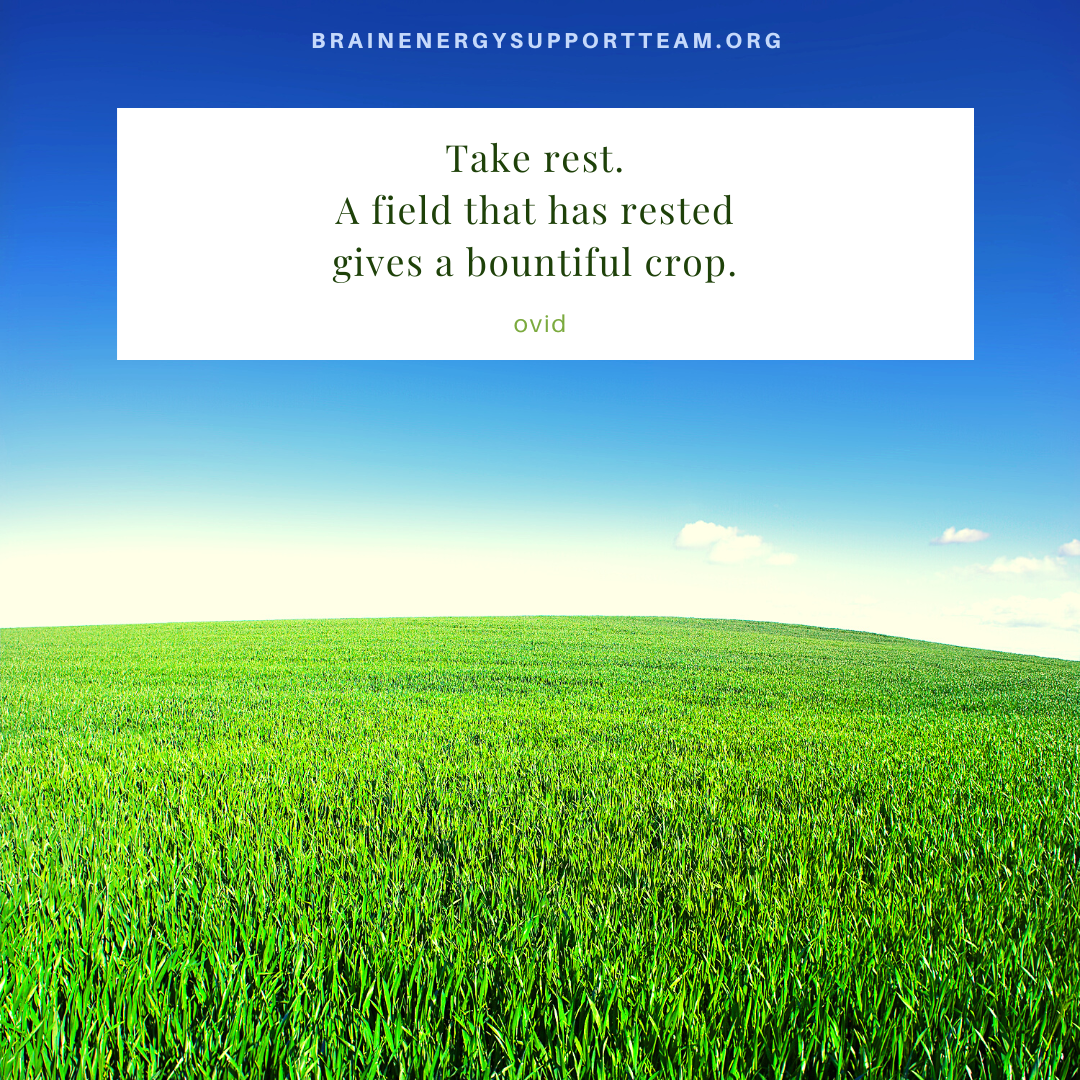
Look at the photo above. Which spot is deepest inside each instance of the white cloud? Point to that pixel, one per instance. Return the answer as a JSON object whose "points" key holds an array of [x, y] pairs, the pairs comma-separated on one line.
{"points": [[1062, 613], [960, 536], [865, 599], [737, 548], [1071, 548], [781, 558], [703, 533], [1023, 565], [729, 544]]}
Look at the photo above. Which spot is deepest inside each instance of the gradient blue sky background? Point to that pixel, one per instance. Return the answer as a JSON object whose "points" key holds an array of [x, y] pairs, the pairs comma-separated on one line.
{"points": [[187, 491]]}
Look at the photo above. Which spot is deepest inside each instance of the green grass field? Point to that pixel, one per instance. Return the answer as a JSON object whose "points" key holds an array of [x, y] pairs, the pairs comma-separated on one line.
{"points": [[567, 847]]}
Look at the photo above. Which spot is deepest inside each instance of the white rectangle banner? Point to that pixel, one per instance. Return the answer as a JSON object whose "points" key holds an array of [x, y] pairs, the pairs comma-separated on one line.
{"points": [[502, 234]]}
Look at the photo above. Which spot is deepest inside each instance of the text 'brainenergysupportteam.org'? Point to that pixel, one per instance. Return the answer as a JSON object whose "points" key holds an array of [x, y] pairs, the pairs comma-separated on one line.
{"points": [[548, 39]]}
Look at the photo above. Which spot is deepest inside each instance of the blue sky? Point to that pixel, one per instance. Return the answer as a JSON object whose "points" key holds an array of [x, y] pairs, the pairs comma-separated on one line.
{"points": [[338, 489]]}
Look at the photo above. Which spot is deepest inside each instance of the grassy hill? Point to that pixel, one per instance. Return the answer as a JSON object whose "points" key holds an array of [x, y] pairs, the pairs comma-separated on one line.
{"points": [[535, 847]]}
